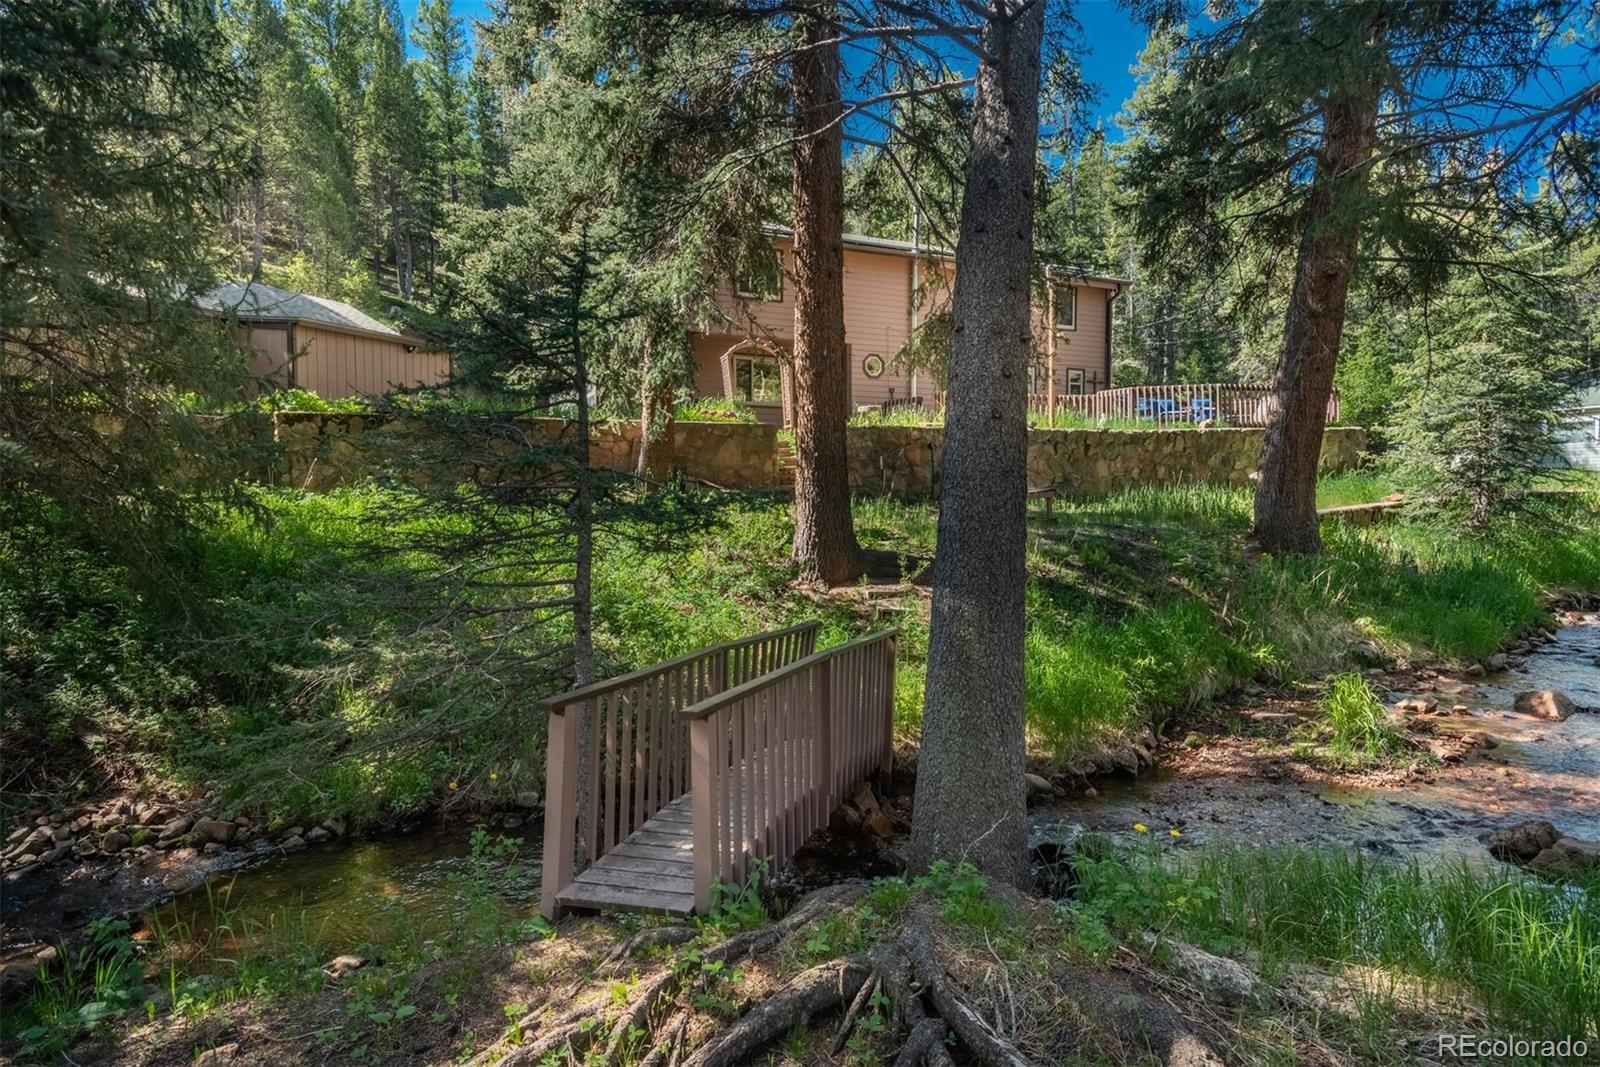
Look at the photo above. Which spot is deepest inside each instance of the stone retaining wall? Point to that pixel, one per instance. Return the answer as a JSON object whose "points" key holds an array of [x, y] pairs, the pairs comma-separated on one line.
{"points": [[904, 461], [319, 451]]}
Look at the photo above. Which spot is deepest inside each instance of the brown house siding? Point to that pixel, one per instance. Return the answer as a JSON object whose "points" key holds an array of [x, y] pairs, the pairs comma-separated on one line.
{"points": [[335, 364], [877, 310]]}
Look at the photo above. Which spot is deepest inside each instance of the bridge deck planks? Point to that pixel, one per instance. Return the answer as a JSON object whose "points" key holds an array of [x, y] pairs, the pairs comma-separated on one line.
{"points": [[651, 870]]}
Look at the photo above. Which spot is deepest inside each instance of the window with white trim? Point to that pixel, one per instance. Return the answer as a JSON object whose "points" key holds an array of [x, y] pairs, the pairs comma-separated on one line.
{"points": [[1066, 307], [1075, 381], [762, 280], [757, 379]]}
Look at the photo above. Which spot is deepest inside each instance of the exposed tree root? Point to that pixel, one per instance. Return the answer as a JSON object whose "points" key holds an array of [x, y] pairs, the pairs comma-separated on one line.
{"points": [[821, 988], [935, 1020], [576, 1030], [924, 1004]]}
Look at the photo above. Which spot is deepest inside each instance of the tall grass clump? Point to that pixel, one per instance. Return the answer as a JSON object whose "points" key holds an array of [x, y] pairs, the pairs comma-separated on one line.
{"points": [[1528, 951], [1362, 732]]}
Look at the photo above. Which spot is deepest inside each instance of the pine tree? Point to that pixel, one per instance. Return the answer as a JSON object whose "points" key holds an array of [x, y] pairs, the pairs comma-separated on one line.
{"points": [[485, 168], [115, 150], [1481, 407], [301, 201], [1342, 132], [443, 42], [391, 150]]}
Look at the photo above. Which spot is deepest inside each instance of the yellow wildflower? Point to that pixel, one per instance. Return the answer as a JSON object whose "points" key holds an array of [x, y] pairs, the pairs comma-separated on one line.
{"points": [[1141, 828], [455, 785], [1175, 832]]}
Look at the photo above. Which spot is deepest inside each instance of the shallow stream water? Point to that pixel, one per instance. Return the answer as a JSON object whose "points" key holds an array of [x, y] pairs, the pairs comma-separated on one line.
{"points": [[343, 895], [1539, 769]]}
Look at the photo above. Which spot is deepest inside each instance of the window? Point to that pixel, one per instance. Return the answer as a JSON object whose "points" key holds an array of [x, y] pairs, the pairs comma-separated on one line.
{"points": [[756, 379], [762, 280], [1075, 381], [1066, 300]]}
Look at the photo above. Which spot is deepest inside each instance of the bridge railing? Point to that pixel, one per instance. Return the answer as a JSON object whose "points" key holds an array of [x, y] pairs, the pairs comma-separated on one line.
{"points": [[770, 759], [639, 759]]}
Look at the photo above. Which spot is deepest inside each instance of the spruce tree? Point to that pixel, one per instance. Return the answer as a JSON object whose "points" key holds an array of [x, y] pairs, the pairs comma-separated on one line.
{"points": [[1481, 405]]}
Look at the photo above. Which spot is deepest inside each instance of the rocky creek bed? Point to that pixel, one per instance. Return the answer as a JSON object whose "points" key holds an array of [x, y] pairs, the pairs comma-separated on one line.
{"points": [[1239, 777], [1242, 779]]}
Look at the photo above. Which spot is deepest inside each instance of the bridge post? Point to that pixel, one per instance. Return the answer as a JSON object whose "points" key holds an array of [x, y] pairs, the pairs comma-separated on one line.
{"points": [[823, 702], [560, 809], [887, 767], [701, 811]]}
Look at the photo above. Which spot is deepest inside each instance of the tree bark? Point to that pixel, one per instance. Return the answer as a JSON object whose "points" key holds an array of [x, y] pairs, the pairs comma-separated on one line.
{"points": [[656, 454], [970, 788], [824, 536], [1286, 497]]}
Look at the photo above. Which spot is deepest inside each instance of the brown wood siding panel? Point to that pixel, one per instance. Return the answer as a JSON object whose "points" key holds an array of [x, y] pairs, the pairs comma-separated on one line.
{"points": [[1085, 347], [271, 347], [877, 320], [335, 364]]}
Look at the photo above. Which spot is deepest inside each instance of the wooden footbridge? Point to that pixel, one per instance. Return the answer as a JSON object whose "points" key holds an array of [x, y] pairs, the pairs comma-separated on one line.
{"points": [[704, 766]]}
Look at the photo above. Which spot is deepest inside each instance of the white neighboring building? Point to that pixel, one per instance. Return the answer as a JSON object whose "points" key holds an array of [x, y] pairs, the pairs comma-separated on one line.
{"points": [[1580, 441]]}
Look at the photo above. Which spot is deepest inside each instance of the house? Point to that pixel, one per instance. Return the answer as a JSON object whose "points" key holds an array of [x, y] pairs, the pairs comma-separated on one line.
{"points": [[324, 346], [889, 287], [1579, 440]]}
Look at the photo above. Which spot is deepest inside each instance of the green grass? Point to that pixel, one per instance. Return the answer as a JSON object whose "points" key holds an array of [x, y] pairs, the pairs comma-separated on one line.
{"points": [[715, 409], [1527, 951], [1353, 487], [1360, 723], [1139, 604]]}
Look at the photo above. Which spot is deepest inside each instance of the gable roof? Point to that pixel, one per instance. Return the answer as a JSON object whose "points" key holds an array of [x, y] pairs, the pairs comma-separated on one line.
{"points": [[864, 243], [259, 302]]}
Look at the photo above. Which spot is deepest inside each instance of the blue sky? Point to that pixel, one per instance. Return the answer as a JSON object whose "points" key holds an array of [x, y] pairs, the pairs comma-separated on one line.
{"points": [[1113, 42]]}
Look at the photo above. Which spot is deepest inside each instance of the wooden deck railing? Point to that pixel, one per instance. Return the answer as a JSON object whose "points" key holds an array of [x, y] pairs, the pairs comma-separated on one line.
{"points": [[1226, 405], [771, 758], [639, 759]]}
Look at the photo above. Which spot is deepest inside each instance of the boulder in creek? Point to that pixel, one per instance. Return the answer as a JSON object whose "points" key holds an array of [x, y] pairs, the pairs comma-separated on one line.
{"points": [[317, 835], [174, 829], [215, 830], [1521, 842], [1567, 857], [115, 841], [1039, 785], [292, 844], [1551, 704]]}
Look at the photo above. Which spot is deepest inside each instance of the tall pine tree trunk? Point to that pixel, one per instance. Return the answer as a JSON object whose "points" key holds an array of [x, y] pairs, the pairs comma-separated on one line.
{"points": [[970, 788], [1286, 498], [824, 536], [258, 222], [656, 455], [583, 561]]}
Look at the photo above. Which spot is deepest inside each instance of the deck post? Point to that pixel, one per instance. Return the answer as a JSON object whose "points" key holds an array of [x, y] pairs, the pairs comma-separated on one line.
{"points": [[560, 809], [701, 810], [823, 703]]}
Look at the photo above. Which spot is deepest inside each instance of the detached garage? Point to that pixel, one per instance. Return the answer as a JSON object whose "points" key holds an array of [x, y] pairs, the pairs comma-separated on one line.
{"points": [[324, 346]]}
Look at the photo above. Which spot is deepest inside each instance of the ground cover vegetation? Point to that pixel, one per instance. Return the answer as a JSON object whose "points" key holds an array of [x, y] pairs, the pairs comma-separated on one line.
{"points": [[1139, 604]]}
